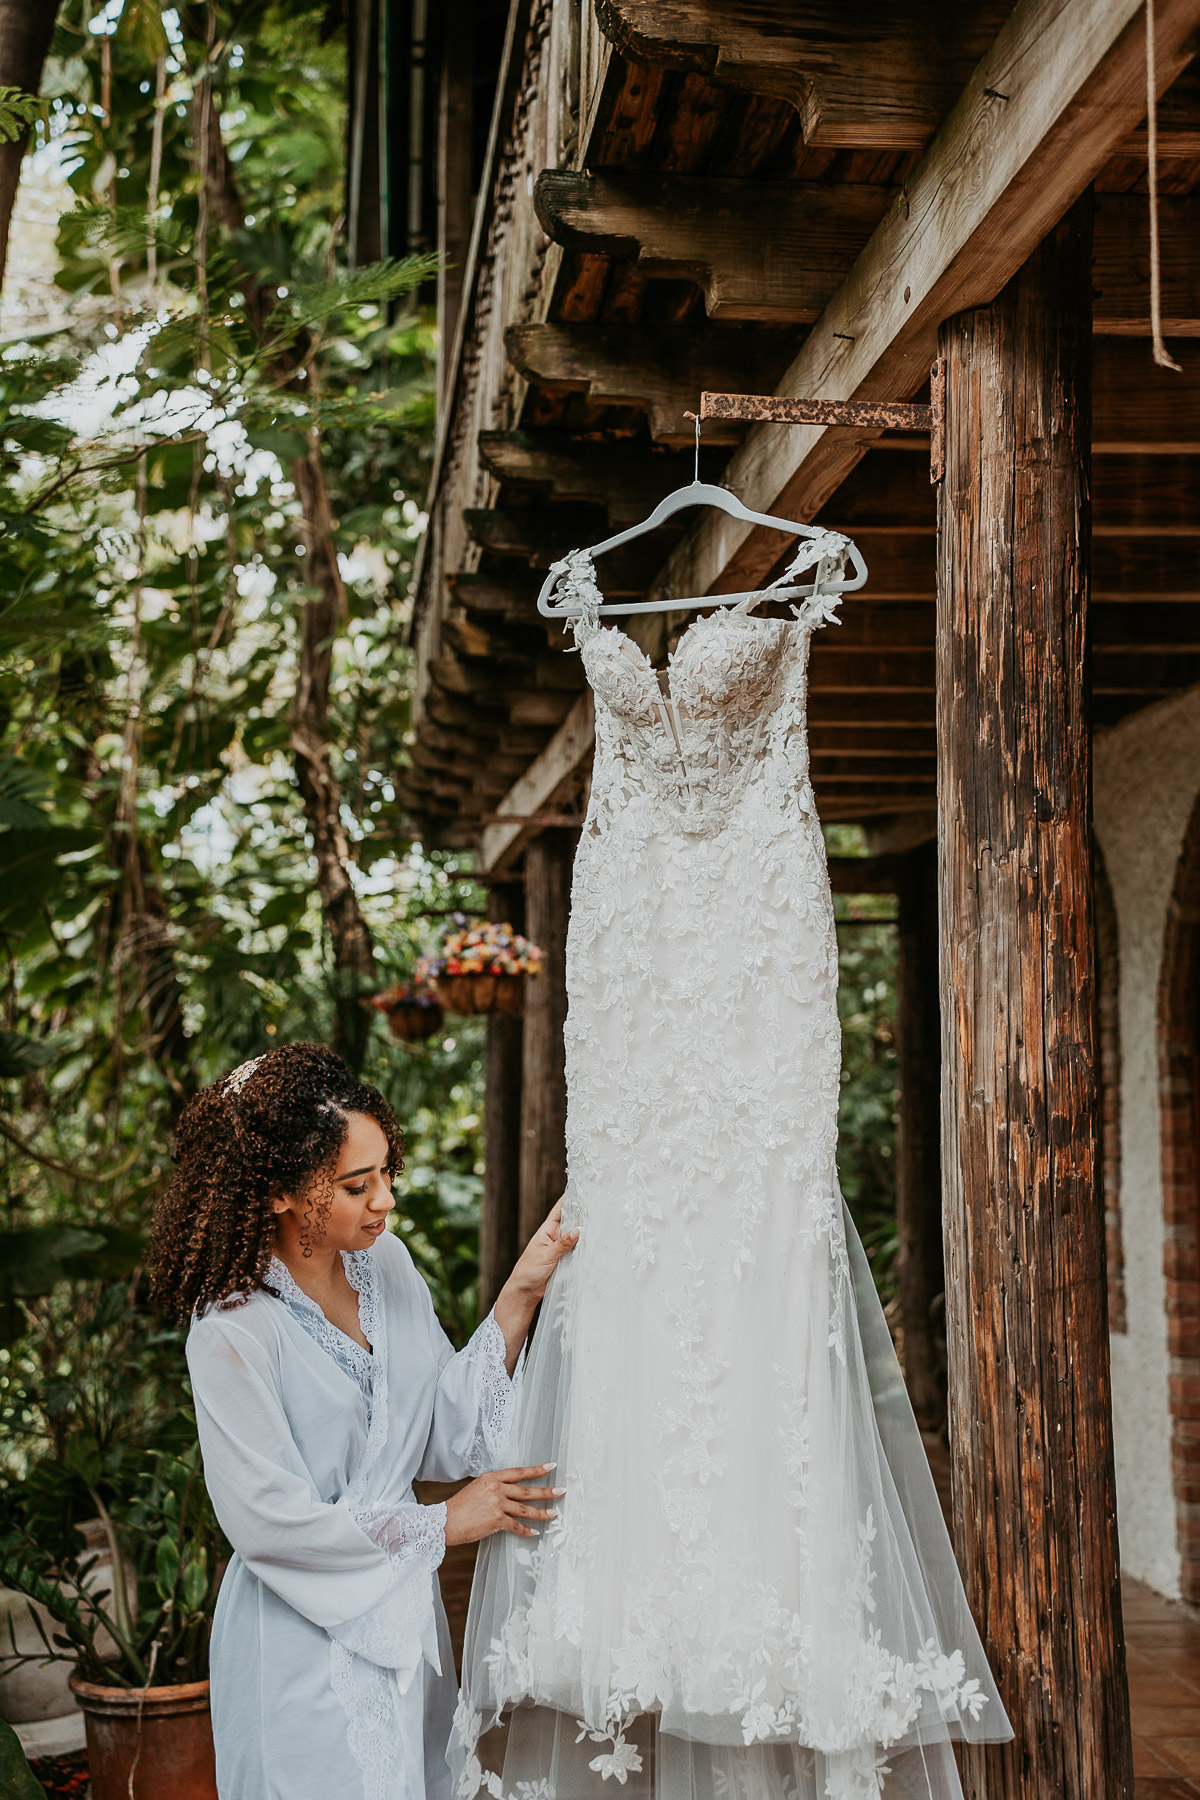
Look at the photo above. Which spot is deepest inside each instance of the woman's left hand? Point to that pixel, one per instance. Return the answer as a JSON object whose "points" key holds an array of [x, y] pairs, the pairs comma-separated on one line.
{"points": [[529, 1280], [542, 1255]]}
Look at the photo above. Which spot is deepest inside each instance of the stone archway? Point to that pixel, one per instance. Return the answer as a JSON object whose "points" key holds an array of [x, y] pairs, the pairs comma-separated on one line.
{"points": [[1179, 1114]]}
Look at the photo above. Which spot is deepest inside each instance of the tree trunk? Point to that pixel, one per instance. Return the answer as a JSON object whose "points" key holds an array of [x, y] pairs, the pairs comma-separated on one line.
{"points": [[921, 1283], [349, 935], [1030, 1412], [26, 29], [354, 971], [548, 863], [499, 1223]]}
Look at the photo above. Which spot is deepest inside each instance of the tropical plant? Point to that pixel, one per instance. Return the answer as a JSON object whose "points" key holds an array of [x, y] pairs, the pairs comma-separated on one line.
{"points": [[17, 1779], [151, 1624]]}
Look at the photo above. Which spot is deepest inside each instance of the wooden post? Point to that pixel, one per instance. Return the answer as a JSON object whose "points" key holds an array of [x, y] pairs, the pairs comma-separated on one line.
{"points": [[920, 1265], [1030, 1412], [548, 862], [499, 1217]]}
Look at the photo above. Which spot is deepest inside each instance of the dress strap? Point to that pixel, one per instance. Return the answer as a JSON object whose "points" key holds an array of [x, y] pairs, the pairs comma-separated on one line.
{"points": [[576, 595]]}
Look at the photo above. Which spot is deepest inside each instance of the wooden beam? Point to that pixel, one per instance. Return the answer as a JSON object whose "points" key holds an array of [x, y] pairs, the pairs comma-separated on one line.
{"points": [[538, 786], [1030, 1406], [486, 597], [540, 709], [920, 1264], [538, 536], [499, 1216], [1121, 269], [659, 370], [767, 251], [875, 74], [1178, 122], [535, 534], [1050, 100], [1132, 495], [1140, 409], [543, 1082], [774, 251], [625, 479]]}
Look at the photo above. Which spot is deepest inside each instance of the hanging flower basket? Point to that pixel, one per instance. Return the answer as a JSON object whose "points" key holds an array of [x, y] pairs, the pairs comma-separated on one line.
{"points": [[413, 1013], [481, 993], [481, 968]]}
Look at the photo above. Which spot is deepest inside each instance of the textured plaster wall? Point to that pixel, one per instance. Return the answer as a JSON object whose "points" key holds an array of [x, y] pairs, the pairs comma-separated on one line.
{"points": [[1146, 779]]}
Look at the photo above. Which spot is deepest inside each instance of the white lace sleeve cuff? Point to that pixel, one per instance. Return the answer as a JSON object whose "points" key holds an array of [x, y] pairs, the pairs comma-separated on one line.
{"points": [[414, 1538], [488, 1353]]}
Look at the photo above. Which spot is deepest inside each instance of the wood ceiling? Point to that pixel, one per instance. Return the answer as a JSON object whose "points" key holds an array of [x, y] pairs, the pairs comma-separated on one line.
{"points": [[720, 199]]}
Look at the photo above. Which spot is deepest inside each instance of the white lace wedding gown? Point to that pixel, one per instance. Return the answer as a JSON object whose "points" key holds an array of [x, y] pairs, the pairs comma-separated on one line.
{"points": [[749, 1592]]}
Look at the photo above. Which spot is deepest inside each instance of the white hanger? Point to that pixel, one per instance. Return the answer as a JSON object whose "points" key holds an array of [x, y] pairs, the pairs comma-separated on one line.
{"points": [[704, 493]]}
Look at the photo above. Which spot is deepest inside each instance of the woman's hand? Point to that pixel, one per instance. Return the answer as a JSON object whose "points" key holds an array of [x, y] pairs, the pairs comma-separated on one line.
{"points": [[520, 1294], [542, 1255], [499, 1501]]}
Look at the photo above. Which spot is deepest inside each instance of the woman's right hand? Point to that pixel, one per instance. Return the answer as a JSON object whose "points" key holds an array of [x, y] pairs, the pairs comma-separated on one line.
{"points": [[498, 1501]]}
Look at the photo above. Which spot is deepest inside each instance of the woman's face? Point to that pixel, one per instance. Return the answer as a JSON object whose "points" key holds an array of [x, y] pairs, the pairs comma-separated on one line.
{"points": [[361, 1195]]}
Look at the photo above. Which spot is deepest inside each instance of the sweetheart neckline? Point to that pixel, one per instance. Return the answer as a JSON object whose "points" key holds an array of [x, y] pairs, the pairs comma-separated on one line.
{"points": [[720, 614]]}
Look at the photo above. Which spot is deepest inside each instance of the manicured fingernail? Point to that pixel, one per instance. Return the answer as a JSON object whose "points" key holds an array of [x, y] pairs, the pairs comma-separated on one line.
{"points": [[549, 1466], [558, 1492]]}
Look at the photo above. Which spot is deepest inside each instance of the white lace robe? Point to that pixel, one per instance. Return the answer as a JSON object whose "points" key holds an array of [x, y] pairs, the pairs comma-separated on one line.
{"points": [[332, 1677]]}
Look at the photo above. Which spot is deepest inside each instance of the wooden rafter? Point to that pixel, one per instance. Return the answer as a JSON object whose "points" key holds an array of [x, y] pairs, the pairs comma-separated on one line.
{"points": [[774, 251], [660, 372], [1048, 103], [767, 251], [869, 74]]}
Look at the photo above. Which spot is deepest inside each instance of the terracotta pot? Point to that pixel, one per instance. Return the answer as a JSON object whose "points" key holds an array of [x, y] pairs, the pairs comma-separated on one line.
{"points": [[164, 1734], [481, 993]]}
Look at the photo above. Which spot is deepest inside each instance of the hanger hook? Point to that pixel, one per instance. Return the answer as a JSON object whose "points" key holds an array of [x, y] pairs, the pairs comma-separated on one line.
{"points": [[695, 417]]}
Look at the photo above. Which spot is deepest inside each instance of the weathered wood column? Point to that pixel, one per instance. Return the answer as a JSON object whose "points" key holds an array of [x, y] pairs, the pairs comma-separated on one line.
{"points": [[1030, 1413], [499, 1227], [921, 1275], [548, 863]]}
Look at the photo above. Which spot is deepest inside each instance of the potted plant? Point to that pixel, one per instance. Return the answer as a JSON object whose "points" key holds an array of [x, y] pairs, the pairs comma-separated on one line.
{"points": [[139, 1646], [481, 968], [413, 1012]]}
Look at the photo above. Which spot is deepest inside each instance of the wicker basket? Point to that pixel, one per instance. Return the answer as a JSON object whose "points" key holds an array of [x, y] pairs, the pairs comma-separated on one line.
{"points": [[412, 1021], [481, 993]]}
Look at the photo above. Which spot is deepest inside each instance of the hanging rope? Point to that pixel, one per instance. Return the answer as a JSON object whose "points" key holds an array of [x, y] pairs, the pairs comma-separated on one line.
{"points": [[1162, 355]]}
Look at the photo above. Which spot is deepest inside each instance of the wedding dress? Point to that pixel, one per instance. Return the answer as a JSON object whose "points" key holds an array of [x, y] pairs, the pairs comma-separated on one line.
{"points": [[749, 1592]]}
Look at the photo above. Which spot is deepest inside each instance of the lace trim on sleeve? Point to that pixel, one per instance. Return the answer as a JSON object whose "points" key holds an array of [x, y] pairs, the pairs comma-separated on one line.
{"points": [[414, 1538], [488, 1352], [405, 1531]]}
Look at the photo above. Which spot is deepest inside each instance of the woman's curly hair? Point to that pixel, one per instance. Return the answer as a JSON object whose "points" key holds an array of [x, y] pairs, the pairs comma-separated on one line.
{"points": [[273, 1126]]}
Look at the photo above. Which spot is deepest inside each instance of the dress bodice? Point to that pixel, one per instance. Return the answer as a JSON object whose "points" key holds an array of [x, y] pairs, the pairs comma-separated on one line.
{"points": [[724, 719]]}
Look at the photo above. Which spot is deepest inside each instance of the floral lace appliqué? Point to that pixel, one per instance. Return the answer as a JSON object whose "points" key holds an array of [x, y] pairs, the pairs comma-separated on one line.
{"points": [[488, 1351]]}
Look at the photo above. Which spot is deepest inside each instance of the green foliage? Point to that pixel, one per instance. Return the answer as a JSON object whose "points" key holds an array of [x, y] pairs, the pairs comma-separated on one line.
{"points": [[154, 1625], [17, 1779], [159, 920], [18, 110], [868, 1100]]}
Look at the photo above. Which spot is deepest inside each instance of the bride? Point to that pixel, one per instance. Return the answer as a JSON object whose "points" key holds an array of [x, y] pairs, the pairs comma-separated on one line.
{"points": [[323, 1387]]}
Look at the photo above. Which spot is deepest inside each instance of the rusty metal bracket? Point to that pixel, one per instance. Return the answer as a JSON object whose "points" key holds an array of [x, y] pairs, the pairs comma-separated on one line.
{"points": [[863, 415]]}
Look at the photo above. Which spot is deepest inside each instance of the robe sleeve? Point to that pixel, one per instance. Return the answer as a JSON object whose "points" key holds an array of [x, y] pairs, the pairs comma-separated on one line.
{"points": [[473, 1405], [365, 1577]]}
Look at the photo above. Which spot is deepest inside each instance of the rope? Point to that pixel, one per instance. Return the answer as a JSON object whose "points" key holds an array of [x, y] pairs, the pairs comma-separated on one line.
{"points": [[1162, 355]]}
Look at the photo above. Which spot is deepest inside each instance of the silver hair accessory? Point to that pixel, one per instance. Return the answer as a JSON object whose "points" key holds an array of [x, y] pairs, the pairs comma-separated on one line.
{"points": [[236, 1081]]}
